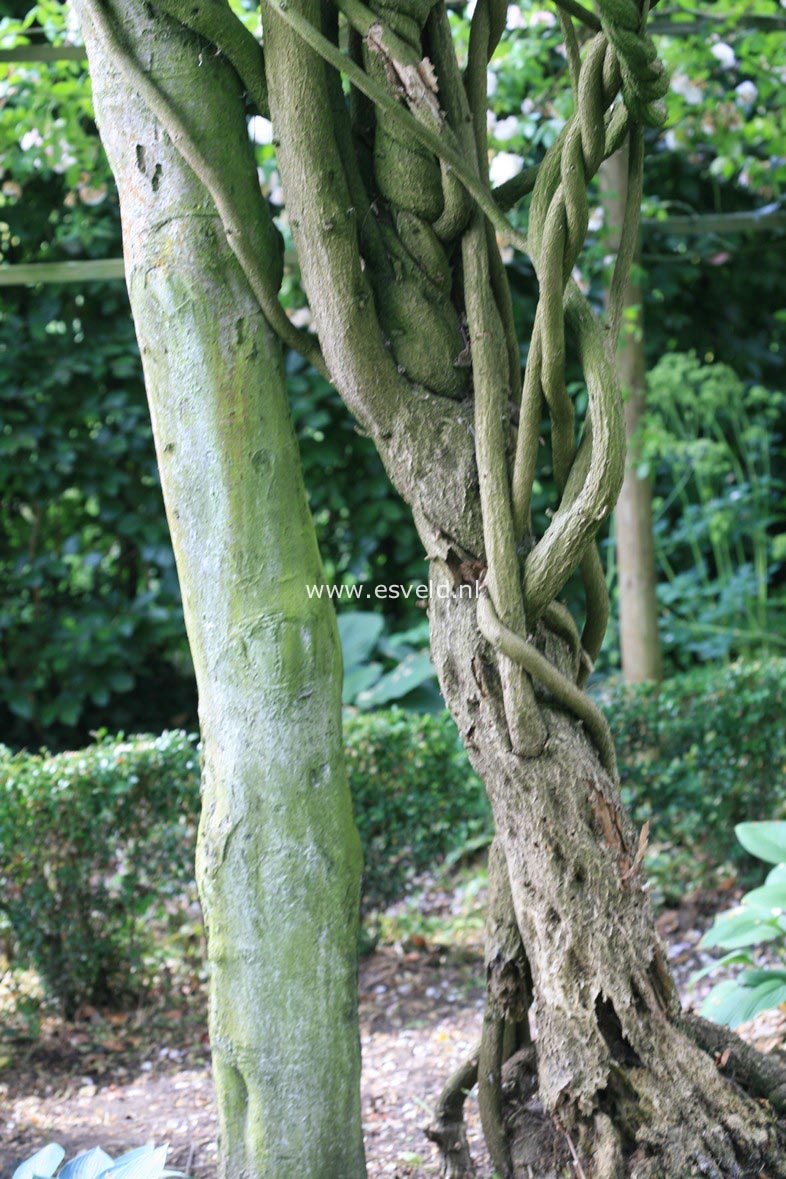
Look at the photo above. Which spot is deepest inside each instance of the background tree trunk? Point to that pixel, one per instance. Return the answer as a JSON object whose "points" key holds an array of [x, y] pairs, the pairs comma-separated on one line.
{"points": [[278, 855], [636, 570]]}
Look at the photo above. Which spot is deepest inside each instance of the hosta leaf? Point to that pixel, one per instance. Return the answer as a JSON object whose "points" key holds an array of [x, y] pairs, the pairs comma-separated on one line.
{"points": [[732, 1004], [410, 673], [766, 839], [150, 1165], [358, 679], [734, 958], [87, 1166], [359, 632], [42, 1164], [744, 926], [769, 896]]}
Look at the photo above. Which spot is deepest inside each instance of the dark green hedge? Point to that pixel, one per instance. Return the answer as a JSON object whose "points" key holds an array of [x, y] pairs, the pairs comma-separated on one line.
{"points": [[698, 754], [89, 841]]}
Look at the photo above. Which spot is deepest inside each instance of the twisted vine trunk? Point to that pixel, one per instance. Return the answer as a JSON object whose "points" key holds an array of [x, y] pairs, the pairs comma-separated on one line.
{"points": [[278, 859], [624, 1079]]}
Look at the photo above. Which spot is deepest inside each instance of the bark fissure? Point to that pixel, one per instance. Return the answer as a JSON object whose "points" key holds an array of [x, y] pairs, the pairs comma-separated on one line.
{"points": [[414, 323]]}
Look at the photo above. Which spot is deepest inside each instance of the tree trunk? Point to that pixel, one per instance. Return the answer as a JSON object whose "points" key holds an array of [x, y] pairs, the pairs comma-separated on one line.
{"points": [[629, 1088], [278, 854], [636, 569]]}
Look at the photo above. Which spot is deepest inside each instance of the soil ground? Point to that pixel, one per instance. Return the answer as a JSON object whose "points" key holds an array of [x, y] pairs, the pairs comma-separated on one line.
{"points": [[122, 1079]]}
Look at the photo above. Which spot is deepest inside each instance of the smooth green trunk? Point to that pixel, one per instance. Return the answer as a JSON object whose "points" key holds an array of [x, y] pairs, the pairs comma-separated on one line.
{"points": [[278, 860], [640, 646]]}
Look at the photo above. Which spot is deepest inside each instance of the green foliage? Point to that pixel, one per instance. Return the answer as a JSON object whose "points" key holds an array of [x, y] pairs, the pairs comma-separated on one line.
{"points": [[416, 798], [146, 1162], [715, 447], [697, 755], [381, 669], [760, 917], [88, 842]]}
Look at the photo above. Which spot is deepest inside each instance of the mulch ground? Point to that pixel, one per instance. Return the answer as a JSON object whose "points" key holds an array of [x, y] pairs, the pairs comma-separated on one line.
{"points": [[123, 1079]]}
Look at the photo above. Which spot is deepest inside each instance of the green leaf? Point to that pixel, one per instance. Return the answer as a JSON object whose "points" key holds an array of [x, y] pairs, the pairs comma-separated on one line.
{"points": [[742, 927], [359, 631], [769, 896], [44, 1163], [358, 679], [766, 839], [732, 1004], [733, 958], [411, 673]]}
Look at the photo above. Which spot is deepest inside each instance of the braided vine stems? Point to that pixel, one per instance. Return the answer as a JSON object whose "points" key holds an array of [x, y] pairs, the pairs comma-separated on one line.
{"points": [[413, 149]]}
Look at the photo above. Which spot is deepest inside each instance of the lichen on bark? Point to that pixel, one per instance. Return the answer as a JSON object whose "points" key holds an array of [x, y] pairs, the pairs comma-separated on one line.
{"points": [[278, 857]]}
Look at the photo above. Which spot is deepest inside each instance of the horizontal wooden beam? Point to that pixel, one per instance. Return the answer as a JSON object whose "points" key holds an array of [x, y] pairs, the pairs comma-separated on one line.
{"points": [[768, 219], [29, 273], [50, 53]]}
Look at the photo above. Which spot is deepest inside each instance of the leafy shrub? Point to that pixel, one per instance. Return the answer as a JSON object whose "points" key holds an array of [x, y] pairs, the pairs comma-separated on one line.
{"points": [[760, 917], [698, 754], [146, 1162], [416, 798], [88, 841], [714, 444]]}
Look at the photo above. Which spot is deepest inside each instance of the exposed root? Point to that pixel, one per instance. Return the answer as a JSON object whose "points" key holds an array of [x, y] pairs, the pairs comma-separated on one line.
{"points": [[491, 1060], [760, 1075], [448, 1130]]}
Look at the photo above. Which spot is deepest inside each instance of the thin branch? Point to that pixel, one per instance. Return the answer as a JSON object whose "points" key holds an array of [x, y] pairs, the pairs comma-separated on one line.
{"points": [[216, 22], [629, 235], [564, 691], [233, 224], [573, 8]]}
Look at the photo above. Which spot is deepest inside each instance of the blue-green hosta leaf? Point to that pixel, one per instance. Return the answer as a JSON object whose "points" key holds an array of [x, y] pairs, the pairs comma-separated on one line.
{"points": [[42, 1164], [359, 679], [734, 958], [744, 926], [411, 673], [150, 1165], [777, 875], [769, 896], [752, 978], [766, 839], [732, 1004], [87, 1166], [359, 631]]}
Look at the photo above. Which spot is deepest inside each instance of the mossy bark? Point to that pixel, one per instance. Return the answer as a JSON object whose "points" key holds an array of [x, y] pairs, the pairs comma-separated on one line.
{"points": [[278, 855], [619, 1076]]}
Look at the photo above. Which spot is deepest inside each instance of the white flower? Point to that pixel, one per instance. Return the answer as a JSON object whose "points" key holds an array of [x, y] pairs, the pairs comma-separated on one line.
{"points": [[30, 139], [682, 85], [596, 219], [301, 318], [724, 54], [542, 17], [747, 92], [506, 128], [260, 129], [504, 166], [580, 281], [515, 18]]}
